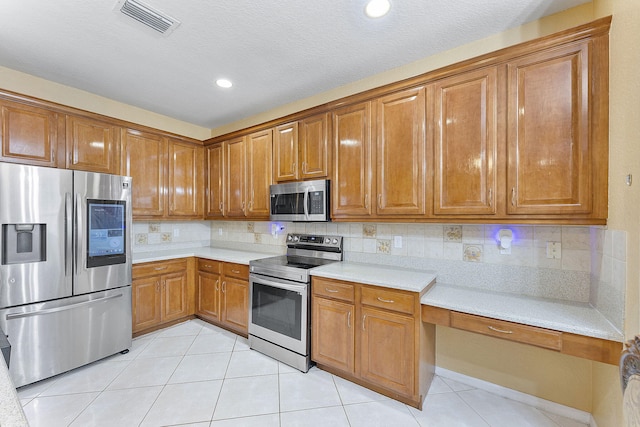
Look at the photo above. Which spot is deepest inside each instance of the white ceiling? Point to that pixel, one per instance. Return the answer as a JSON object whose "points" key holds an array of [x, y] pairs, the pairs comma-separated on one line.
{"points": [[275, 52]]}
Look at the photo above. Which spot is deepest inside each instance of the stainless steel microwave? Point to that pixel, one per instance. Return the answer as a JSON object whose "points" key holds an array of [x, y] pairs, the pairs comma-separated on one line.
{"points": [[306, 201]]}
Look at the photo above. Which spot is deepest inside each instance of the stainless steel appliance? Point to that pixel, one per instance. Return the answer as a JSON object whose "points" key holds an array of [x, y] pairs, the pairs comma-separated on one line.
{"points": [[300, 201], [65, 268], [279, 295]]}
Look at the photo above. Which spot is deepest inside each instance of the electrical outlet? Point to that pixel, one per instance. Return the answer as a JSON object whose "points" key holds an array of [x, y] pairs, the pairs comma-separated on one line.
{"points": [[219, 231], [554, 250], [176, 232]]}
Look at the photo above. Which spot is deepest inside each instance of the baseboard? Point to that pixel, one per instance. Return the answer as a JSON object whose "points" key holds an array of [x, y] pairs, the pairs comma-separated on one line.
{"points": [[518, 396]]}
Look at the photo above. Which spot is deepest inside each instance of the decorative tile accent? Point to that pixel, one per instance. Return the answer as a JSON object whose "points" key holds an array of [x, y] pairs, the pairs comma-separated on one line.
{"points": [[369, 230], [453, 233], [154, 227], [383, 246], [472, 253], [141, 238], [165, 237], [251, 227]]}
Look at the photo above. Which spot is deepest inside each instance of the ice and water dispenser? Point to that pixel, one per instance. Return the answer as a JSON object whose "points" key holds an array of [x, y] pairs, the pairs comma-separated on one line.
{"points": [[23, 243]]}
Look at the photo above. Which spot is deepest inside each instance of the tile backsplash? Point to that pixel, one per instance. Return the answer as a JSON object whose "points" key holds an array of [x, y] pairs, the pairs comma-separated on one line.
{"points": [[591, 267]]}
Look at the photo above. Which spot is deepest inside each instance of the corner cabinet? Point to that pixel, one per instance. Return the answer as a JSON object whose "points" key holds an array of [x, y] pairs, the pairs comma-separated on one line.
{"points": [[167, 175], [222, 294], [373, 336], [162, 293], [239, 173]]}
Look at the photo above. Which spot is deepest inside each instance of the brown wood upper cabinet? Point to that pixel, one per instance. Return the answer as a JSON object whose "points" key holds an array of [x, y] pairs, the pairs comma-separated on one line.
{"points": [[30, 134], [167, 175], [550, 152], [215, 181], [351, 188], [92, 145], [400, 153], [396, 185], [301, 149], [465, 129], [239, 175]]}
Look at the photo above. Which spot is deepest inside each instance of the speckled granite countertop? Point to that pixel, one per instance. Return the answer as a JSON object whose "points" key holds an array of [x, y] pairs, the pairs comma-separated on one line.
{"points": [[11, 413], [391, 277], [219, 254], [565, 316]]}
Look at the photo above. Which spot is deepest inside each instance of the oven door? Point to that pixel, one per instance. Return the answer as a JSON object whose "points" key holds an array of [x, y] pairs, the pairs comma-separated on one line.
{"points": [[280, 312]]}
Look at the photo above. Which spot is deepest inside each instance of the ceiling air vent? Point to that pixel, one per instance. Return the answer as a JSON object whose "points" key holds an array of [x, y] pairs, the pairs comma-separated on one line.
{"points": [[150, 17]]}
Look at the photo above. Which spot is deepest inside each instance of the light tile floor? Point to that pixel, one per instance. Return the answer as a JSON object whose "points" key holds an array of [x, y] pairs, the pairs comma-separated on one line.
{"points": [[195, 374]]}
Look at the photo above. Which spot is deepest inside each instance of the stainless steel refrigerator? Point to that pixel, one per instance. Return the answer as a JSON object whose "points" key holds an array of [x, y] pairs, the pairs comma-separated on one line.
{"points": [[65, 268]]}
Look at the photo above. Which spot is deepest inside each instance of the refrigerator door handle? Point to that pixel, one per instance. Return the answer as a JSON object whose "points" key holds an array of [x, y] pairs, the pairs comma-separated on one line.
{"points": [[77, 232], [63, 308], [68, 233]]}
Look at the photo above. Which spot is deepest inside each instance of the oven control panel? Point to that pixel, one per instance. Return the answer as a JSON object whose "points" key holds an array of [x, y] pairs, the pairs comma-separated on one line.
{"points": [[315, 240]]}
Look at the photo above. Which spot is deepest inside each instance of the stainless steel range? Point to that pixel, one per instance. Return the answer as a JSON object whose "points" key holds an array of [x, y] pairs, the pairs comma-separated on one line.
{"points": [[279, 294]]}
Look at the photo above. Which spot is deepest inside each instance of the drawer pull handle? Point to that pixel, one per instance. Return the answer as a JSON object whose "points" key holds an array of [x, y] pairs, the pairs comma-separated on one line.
{"points": [[160, 268], [208, 266], [235, 271], [349, 320], [333, 291], [502, 331], [388, 301], [217, 287], [364, 318]]}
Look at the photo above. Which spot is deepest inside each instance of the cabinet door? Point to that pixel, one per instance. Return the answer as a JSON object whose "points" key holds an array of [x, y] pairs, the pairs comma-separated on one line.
{"points": [[185, 179], [92, 146], [207, 295], [234, 177], [387, 350], [146, 302], [259, 175], [313, 148], [285, 152], [549, 170], [400, 153], [29, 135], [235, 301], [352, 159], [215, 182], [144, 158], [174, 292], [332, 332], [465, 139]]}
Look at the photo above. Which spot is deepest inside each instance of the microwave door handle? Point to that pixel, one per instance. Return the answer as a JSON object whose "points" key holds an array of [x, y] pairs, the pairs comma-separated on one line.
{"points": [[306, 204]]}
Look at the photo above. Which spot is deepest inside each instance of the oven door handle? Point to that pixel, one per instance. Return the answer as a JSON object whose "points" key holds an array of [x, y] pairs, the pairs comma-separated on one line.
{"points": [[295, 288]]}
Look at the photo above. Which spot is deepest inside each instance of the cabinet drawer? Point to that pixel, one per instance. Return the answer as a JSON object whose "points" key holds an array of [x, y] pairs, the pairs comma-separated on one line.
{"points": [[332, 289], [508, 330], [160, 267], [239, 271], [388, 299], [209, 265]]}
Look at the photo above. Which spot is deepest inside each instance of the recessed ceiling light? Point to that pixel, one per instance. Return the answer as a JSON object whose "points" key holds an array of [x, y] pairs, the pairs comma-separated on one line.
{"points": [[377, 8], [224, 83]]}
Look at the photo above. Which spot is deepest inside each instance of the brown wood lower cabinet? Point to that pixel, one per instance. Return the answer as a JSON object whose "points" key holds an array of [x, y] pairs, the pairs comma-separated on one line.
{"points": [[373, 336], [162, 294], [222, 295]]}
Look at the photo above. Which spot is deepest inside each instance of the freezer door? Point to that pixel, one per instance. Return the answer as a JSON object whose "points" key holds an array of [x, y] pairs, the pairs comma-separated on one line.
{"points": [[56, 336], [102, 232], [35, 234]]}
